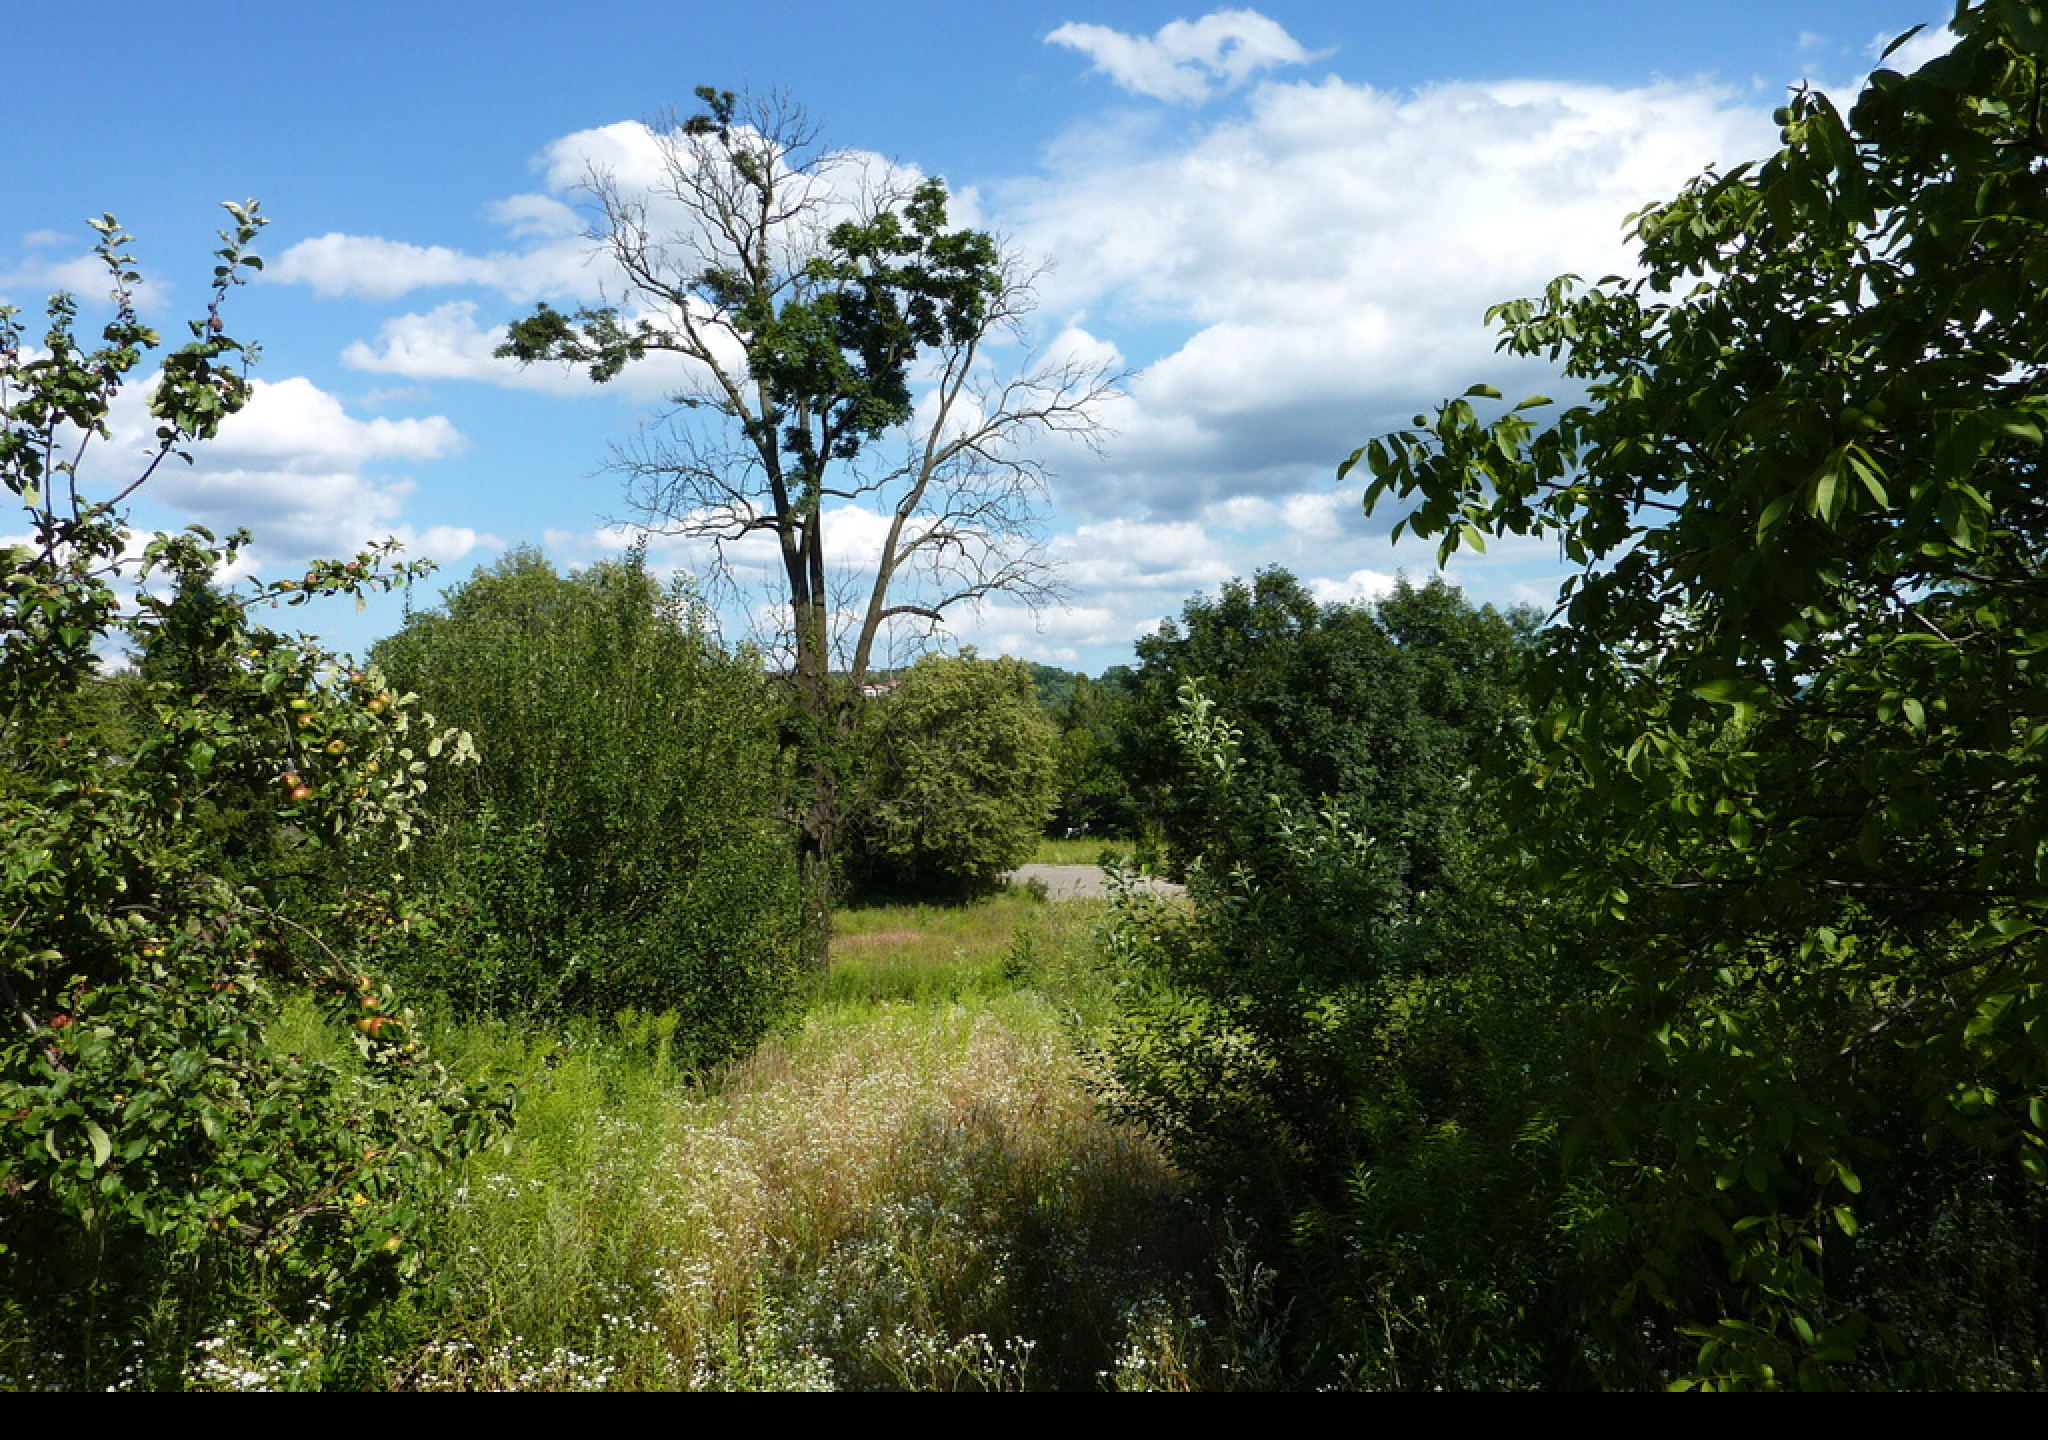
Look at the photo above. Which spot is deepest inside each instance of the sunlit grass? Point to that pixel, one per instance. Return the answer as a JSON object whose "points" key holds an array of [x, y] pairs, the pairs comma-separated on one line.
{"points": [[1083, 850], [951, 953], [912, 1191]]}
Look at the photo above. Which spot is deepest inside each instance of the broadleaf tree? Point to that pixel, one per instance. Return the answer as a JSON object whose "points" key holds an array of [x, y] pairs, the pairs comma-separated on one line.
{"points": [[1794, 711], [845, 348], [956, 778], [614, 845]]}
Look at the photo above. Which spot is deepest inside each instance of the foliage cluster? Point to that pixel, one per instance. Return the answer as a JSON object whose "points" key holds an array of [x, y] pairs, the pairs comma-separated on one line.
{"points": [[956, 779], [1369, 1070], [1739, 1048], [1337, 1032], [617, 844], [1791, 725], [834, 283], [1094, 793], [1379, 709], [159, 828]]}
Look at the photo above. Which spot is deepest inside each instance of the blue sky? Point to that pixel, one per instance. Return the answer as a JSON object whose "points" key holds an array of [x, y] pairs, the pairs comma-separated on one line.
{"points": [[1288, 219]]}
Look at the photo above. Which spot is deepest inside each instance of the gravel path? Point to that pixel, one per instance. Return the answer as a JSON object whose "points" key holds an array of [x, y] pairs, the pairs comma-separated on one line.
{"points": [[1079, 882]]}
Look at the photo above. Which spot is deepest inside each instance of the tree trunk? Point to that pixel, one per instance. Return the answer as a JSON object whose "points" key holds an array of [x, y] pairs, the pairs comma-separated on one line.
{"points": [[817, 840]]}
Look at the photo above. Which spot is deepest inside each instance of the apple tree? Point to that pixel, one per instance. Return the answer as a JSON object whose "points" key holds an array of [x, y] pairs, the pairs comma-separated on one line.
{"points": [[1794, 710], [154, 1149]]}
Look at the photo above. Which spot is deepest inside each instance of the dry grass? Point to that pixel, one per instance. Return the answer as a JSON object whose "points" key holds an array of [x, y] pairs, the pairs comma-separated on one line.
{"points": [[909, 1193]]}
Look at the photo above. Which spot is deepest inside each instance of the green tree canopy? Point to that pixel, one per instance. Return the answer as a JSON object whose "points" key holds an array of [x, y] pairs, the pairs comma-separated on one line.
{"points": [[957, 778], [816, 301], [1794, 717], [1378, 708]]}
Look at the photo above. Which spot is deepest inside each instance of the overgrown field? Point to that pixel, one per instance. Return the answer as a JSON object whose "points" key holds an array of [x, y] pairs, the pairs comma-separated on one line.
{"points": [[912, 1190]]}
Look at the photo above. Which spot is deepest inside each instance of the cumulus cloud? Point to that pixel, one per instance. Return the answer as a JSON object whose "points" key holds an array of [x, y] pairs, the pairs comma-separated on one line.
{"points": [[1321, 261], [1186, 61], [31, 282], [445, 544], [1175, 558], [447, 342], [295, 425], [372, 268], [556, 258], [1359, 585], [294, 468]]}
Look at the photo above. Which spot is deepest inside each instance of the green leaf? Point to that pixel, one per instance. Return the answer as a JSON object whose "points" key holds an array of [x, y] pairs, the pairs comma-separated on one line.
{"points": [[1732, 690]]}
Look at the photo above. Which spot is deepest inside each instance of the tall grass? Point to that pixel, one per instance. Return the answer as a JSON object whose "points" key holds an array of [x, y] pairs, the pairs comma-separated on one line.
{"points": [[912, 1191]]}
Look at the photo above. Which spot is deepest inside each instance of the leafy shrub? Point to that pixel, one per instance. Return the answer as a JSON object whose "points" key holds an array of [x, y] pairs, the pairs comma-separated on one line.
{"points": [[1343, 1033], [1365, 1067], [149, 1131], [617, 846], [957, 779]]}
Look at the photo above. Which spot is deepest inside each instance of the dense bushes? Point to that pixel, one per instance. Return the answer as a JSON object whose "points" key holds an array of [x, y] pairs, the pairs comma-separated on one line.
{"points": [[1728, 1071], [956, 779], [616, 847], [1367, 1069], [1342, 1035], [1792, 730]]}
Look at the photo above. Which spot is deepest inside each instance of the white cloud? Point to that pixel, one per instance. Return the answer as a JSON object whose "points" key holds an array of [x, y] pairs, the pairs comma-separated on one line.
{"points": [[1930, 43], [1359, 585], [32, 282], [445, 544], [536, 217], [1186, 61], [372, 268], [295, 425], [295, 469], [1175, 558], [1056, 635], [448, 343], [1323, 260], [296, 512], [363, 265], [558, 259]]}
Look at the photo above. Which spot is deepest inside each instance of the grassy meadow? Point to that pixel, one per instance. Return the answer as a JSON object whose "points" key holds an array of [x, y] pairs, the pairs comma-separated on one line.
{"points": [[910, 1190]]}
